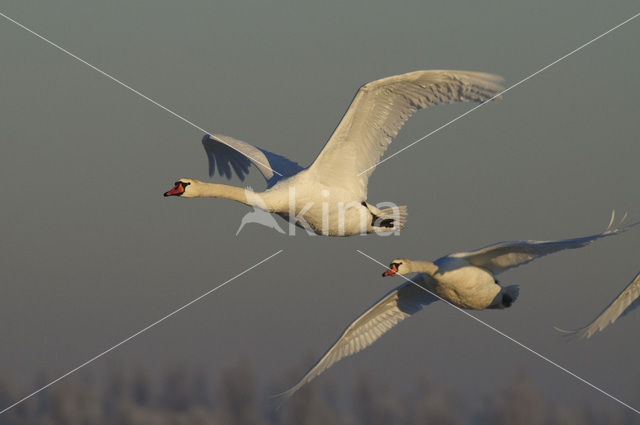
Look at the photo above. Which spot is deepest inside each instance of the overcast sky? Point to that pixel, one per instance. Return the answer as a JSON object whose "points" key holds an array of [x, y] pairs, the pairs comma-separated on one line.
{"points": [[91, 252]]}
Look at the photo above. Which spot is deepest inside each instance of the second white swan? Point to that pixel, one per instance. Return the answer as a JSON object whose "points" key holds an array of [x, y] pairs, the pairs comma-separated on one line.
{"points": [[464, 279]]}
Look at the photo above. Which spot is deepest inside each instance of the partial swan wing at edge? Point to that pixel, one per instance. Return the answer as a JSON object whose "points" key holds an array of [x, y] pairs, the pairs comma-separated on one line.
{"points": [[624, 303]]}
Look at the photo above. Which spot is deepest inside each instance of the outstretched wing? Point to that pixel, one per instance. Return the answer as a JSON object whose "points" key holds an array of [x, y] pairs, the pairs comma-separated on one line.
{"points": [[625, 302], [378, 111], [227, 153], [505, 255], [394, 307]]}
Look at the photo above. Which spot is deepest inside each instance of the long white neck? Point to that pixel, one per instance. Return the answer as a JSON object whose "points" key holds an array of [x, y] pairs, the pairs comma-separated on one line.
{"points": [[423, 267], [200, 189]]}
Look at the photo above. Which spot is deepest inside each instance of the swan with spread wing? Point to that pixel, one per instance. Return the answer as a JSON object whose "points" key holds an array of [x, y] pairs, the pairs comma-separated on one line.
{"points": [[330, 196], [464, 279]]}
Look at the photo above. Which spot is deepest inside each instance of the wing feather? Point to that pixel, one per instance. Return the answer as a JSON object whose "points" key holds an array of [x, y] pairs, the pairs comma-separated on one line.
{"points": [[227, 153], [624, 303], [394, 307], [506, 255], [378, 111]]}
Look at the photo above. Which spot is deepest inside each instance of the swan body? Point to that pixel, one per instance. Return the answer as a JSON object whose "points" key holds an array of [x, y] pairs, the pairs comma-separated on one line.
{"points": [[259, 215], [330, 196], [464, 285], [326, 210], [464, 279]]}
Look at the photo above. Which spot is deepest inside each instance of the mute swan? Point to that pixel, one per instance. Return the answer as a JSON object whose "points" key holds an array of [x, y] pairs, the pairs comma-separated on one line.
{"points": [[625, 302], [464, 279], [329, 197]]}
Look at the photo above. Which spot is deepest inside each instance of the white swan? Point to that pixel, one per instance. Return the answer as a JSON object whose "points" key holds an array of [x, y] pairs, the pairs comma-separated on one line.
{"points": [[624, 303], [464, 279], [329, 197]]}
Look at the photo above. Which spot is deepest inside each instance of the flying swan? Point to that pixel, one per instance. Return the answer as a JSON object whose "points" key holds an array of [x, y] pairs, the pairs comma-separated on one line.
{"points": [[624, 303], [464, 279], [330, 196]]}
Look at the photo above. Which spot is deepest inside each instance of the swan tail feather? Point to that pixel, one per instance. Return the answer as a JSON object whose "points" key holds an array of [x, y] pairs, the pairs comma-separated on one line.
{"points": [[513, 291], [510, 296], [398, 214]]}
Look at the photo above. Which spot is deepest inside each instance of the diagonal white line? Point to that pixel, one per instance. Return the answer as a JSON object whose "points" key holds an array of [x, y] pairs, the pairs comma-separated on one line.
{"points": [[128, 87], [137, 333], [532, 351], [503, 92]]}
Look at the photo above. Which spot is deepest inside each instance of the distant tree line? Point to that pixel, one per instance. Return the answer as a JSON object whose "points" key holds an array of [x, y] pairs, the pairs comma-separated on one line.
{"points": [[181, 396]]}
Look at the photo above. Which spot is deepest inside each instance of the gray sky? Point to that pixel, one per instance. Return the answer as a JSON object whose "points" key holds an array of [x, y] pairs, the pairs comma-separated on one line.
{"points": [[91, 251]]}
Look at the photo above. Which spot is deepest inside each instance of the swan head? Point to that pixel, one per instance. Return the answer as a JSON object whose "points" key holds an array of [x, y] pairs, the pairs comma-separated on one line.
{"points": [[400, 266], [181, 188]]}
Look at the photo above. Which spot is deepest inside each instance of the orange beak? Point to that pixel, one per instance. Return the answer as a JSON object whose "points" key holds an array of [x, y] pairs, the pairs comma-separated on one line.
{"points": [[177, 190], [392, 270]]}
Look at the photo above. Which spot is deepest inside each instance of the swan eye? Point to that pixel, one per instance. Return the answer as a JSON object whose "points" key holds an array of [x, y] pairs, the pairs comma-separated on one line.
{"points": [[182, 184]]}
